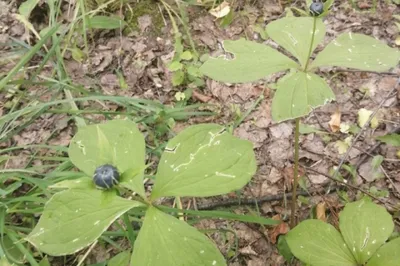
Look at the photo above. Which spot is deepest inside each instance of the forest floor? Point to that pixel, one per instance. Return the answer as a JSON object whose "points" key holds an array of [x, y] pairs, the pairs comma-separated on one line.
{"points": [[134, 65]]}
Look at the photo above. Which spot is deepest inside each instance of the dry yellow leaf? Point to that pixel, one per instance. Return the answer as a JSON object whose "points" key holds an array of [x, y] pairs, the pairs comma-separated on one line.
{"points": [[320, 211], [221, 11], [334, 123]]}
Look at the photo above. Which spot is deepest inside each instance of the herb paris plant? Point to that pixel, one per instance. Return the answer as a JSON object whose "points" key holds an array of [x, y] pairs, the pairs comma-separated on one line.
{"points": [[299, 91], [364, 229], [202, 160]]}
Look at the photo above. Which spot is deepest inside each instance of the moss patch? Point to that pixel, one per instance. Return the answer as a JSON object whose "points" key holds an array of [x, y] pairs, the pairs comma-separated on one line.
{"points": [[144, 7]]}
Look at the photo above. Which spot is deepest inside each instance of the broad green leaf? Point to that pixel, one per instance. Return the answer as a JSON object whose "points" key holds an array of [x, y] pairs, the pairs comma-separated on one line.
{"points": [[204, 160], [391, 139], [164, 240], [122, 259], [252, 61], [133, 180], [116, 142], [358, 51], [105, 22], [297, 94], [26, 7], [365, 226], [319, 244], [295, 35], [387, 255], [82, 183], [75, 218]]}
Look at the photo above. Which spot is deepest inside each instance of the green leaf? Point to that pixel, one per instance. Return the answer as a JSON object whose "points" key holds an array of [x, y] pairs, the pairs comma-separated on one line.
{"points": [[116, 142], [175, 66], [122, 259], [358, 51], [365, 226], [105, 22], [204, 160], [12, 251], [133, 180], [82, 183], [319, 244], [166, 241], [252, 61], [387, 255], [178, 77], [26, 7], [295, 34], [186, 55], [391, 139], [194, 71], [73, 219], [297, 94], [44, 262], [284, 249]]}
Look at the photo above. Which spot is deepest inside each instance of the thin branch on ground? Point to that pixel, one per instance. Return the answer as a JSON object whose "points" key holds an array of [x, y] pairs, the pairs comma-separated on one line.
{"points": [[348, 185], [257, 201]]}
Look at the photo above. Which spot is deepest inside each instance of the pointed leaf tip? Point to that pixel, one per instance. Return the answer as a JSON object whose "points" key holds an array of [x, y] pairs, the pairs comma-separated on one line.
{"points": [[166, 241]]}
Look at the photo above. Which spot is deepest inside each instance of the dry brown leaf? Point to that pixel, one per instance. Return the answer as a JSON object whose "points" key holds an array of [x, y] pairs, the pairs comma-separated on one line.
{"points": [[334, 124], [201, 97], [280, 229], [320, 211]]}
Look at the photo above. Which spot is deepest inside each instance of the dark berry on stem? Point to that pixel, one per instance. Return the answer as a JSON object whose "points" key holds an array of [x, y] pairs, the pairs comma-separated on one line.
{"points": [[316, 9], [106, 176]]}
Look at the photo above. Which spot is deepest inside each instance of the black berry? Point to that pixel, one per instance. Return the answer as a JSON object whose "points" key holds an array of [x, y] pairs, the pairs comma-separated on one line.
{"points": [[316, 9], [106, 176]]}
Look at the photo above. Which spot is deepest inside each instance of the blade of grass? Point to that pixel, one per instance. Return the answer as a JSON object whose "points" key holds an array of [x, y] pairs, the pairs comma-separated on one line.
{"points": [[28, 57]]}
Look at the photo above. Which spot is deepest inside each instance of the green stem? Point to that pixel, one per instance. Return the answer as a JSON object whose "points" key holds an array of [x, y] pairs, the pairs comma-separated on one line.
{"points": [[296, 142], [312, 44], [296, 173]]}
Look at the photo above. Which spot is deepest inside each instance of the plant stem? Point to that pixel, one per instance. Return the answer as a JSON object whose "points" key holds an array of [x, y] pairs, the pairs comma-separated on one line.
{"points": [[296, 173], [311, 45]]}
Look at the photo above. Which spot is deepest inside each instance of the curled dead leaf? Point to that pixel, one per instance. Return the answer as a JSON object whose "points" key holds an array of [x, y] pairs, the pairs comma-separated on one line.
{"points": [[201, 97], [334, 123], [221, 11], [280, 229]]}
